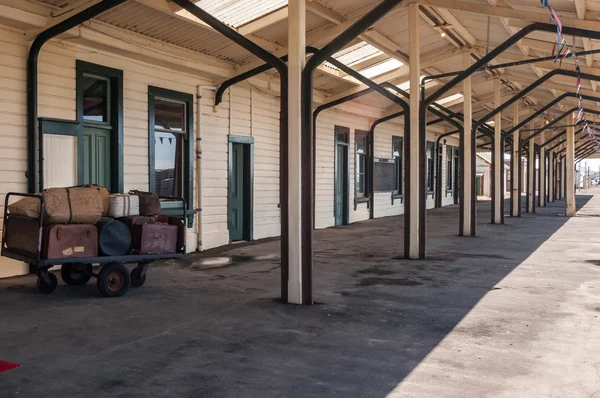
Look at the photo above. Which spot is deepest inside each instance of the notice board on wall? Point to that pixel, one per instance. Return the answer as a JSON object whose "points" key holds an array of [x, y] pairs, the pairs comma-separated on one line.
{"points": [[384, 175]]}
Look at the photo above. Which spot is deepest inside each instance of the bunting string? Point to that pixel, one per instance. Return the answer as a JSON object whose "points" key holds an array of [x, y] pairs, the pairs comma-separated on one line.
{"points": [[558, 47]]}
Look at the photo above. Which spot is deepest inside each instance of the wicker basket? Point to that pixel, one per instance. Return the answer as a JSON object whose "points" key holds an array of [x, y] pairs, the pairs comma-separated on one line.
{"points": [[72, 205]]}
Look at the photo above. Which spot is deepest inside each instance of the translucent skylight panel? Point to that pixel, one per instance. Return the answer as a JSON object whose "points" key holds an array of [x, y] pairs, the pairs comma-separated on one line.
{"points": [[449, 98], [357, 53], [381, 68], [236, 13]]}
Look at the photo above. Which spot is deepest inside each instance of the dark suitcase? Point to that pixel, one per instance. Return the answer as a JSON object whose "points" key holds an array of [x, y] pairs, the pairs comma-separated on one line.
{"points": [[149, 203], [155, 238], [114, 238], [70, 240], [22, 234], [130, 221], [180, 228]]}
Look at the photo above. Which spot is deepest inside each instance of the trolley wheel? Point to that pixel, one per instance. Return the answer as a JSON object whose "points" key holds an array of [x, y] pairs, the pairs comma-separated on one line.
{"points": [[138, 276], [113, 280], [76, 274], [46, 287]]}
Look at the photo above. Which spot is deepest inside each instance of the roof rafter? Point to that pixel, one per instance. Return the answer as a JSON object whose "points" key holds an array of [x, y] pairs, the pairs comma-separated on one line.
{"points": [[506, 12]]}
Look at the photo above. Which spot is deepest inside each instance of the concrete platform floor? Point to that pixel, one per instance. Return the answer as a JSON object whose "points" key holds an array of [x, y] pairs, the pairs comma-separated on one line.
{"points": [[511, 313]]}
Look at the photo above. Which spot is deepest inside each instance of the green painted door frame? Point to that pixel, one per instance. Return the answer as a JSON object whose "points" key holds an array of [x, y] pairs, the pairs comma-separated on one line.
{"points": [[240, 188], [341, 176], [111, 139], [96, 157]]}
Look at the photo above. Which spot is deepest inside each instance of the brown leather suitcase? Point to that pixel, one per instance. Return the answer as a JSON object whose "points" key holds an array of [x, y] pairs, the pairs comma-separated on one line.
{"points": [[22, 234], [149, 203], [130, 221], [70, 240], [178, 222], [154, 238]]}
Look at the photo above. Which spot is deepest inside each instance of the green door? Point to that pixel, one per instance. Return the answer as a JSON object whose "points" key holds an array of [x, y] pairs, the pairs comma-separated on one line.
{"points": [[96, 157], [341, 184], [478, 185], [236, 192]]}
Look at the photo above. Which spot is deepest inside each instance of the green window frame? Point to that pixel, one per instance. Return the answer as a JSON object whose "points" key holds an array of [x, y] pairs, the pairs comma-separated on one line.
{"points": [[398, 154], [430, 166], [449, 168], [362, 154], [184, 180]]}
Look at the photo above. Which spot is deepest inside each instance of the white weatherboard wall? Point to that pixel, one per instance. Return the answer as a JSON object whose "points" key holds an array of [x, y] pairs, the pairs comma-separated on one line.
{"points": [[243, 112], [324, 171]]}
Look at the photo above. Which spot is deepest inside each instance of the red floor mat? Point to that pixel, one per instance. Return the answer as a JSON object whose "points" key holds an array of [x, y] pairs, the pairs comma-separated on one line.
{"points": [[4, 366]]}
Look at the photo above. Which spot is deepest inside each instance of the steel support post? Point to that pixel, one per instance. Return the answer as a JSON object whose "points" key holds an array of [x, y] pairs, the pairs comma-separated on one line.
{"points": [[564, 173], [467, 167], [497, 159], [531, 175], [561, 177], [551, 178], [570, 204], [542, 175], [296, 61], [515, 168], [416, 151]]}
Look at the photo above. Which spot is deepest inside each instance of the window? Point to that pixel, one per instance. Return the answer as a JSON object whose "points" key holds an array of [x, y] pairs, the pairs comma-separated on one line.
{"points": [[171, 145], [169, 136], [449, 173], [361, 165], [430, 157], [397, 152], [96, 97]]}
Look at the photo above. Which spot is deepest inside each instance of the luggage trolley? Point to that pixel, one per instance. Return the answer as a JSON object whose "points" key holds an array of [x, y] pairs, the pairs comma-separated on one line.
{"points": [[113, 280]]}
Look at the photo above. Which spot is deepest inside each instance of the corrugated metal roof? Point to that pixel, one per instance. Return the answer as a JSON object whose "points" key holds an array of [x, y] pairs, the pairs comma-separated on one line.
{"points": [[239, 12], [147, 21]]}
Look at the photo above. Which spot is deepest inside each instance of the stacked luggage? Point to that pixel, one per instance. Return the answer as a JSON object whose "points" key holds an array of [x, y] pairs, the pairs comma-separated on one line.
{"points": [[89, 222]]}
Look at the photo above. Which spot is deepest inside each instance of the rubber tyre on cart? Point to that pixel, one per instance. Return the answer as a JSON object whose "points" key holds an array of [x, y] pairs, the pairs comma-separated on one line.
{"points": [[113, 280], [44, 287], [76, 274], [137, 280]]}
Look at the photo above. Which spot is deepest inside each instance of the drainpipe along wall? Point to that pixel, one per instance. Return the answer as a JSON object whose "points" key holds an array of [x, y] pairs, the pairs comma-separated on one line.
{"points": [[199, 163]]}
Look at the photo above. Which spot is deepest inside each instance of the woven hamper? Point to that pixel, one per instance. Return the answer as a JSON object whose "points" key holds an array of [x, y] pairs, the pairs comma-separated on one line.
{"points": [[72, 205]]}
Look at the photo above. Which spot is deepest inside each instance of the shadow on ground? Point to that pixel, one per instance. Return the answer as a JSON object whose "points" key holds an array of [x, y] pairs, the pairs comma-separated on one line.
{"points": [[210, 327]]}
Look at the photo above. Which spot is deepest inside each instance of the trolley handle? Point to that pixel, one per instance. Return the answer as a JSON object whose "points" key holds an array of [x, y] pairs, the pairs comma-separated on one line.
{"points": [[40, 219]]}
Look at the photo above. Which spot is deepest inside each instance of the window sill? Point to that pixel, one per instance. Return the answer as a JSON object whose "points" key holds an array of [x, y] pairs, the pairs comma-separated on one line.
{"points": [[396, 196], [175, 209], [363, 199]]}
